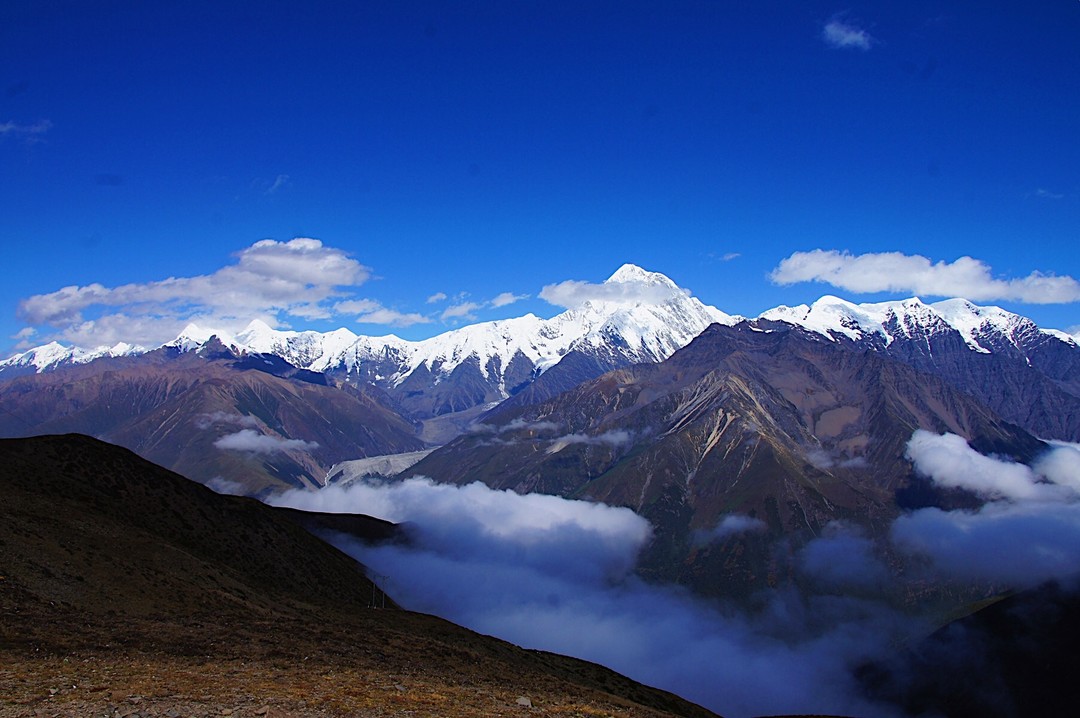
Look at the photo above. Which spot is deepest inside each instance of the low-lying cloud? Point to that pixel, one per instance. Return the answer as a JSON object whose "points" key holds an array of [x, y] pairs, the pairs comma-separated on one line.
{"points": [[216, 418], [253, 442], [528, 532], [1027, 533], [730, 525], [616, 438], [555, 574], [896, 272], [539, 427]]}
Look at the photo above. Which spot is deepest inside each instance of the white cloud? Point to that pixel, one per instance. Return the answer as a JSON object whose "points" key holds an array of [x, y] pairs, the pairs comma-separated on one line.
{"points": [[252, 441], [615, 438], [730, 525], [553, 574], [392, 317], [896, 272], [279, 182], [16, 129], [357, 306], [950, 462], [515, 425], [299, 278], [845, 34], [593, 540], [369, 311], [572, 294], [506, 298], [1061, 465], [463, 310], [1047, 194], [1026, 535], [222, 485], [214, 418], [467, 310]]}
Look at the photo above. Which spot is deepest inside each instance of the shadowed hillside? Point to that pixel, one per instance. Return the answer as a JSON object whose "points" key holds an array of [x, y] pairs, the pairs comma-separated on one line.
{"points": [[126, 587]]}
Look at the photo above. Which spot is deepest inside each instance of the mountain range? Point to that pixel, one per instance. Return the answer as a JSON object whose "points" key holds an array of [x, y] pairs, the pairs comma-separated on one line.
{"points": [[785, 428], [740, 440], [266, 409]]}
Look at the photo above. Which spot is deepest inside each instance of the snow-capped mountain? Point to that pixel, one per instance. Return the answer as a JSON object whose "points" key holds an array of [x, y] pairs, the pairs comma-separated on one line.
{"points": [[640, 316], [983, 329], [54, 354], [643, 317], [1029, 375], [646, 329], [779, 425]]}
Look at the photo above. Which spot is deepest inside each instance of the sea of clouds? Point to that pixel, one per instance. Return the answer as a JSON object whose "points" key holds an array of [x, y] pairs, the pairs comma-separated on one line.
{"points": [[557, 574]]}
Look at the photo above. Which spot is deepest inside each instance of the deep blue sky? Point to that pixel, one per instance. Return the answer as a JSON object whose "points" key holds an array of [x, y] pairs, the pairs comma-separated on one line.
{"points": [[478, 148]]}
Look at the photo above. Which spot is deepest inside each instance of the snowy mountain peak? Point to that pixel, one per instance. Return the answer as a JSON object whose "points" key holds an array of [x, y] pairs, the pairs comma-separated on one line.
{"points": [[193, 336], [983, 329], [53, 354], [257, 327], [631, 273]]}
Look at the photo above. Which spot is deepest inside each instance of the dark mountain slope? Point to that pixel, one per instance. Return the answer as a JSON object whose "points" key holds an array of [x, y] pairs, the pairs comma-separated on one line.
{"points": [[1029, 376], [125, 583], [175, 409], [1015, 657]]}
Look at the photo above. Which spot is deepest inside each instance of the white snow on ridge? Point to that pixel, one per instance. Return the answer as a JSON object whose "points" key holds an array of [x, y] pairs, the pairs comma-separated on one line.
{"points": [[645, 317], [832, 316], [641, 316], [53, 354]]}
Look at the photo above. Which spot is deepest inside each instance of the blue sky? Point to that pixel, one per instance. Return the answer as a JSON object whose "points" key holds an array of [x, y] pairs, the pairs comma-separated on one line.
{"points": [[484, 150]]}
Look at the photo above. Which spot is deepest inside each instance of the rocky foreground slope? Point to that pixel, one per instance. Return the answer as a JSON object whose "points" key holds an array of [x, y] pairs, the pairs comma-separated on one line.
{"points": [[128, 590]]}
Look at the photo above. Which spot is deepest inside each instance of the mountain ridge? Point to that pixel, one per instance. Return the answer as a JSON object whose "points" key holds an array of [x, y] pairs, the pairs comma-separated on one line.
{"points": [[393, 396], [644, 318]]}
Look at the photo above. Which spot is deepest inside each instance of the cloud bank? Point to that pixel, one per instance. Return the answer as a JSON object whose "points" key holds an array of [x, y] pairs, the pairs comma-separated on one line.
{"points": [[1026, 534], [301, 278], [555, 574], [896, 272]]}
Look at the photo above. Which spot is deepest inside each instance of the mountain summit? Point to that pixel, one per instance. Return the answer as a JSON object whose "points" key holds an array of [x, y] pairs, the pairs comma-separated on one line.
{"points": [[1028, 375], [635, 316]]}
